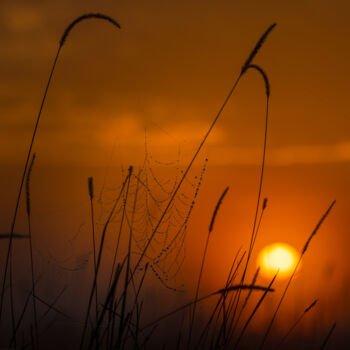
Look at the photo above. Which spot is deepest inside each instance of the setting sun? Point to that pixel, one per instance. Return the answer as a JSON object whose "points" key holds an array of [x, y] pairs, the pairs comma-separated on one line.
{"points": [[278, 256]]}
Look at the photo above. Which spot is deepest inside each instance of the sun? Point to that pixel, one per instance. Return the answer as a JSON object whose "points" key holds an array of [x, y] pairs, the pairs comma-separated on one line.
{"points": [[278, 256]]}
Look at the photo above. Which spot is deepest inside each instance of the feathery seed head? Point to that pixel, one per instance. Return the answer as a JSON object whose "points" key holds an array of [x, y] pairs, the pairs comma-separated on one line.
{"points": [[311, 306], [264, 204], [257, 48], [84, 17], [91, 187]]}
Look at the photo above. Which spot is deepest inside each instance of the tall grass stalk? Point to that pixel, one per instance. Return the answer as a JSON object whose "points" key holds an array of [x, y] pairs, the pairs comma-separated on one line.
{"points": [[125, 200], [218, 292], [325, 342], [189, 166], [245, 303], [217, 207], [226, 302], [260, 220], [52, 307], [91, 196], [267, 93], [298, 320], [235, 324], [36, 332], [53, 303], [294, 271], [9, 249], [99, 258], [231, 275], [253, 313], [140, 286], [109, 297], [253, 236], [226, 307], [20, 319], [122, 323]]}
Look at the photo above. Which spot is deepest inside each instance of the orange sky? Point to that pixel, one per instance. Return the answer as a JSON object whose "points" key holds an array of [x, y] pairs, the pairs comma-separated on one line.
{"points": [[167, 72]]}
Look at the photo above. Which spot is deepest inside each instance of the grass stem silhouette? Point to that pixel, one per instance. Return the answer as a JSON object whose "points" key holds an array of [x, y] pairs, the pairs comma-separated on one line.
{"points": [[294, 271], [9, 249], [36, 332], [189, 166], [99, 258], [325, 342], [217, 207], [298, 320]]}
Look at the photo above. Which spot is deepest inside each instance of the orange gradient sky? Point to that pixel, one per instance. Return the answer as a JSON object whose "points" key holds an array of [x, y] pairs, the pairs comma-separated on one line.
{"points": [[162, 78], [168, 70]]}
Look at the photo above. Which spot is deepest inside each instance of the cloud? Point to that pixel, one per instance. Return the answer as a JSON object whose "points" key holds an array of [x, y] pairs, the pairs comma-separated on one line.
{"points": [[287, 155], [130, 132], [311, 154]]}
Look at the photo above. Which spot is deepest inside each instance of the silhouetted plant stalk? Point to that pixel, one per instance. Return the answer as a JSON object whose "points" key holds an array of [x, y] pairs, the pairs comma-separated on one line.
{"points": [[52, 307], [112, 323], [49, 308], [226, 302], [123, 323], [291, 329], [230, 277], [235, 324], [264, 205], [217, 207], [109, 298], [218, 292], [121, 223], [325, 342], [140, 286], [253, 236], [20, 319], [137, 326], [294, 271], [91, 196], [112, 309], [254, 312], [99, 257], [53, 303], [245, 303], [9, 250], [189, 166], [31, 254]]}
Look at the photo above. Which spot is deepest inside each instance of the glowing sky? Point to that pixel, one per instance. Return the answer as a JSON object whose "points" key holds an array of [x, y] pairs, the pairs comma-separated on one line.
{"points": [[167, 72]]}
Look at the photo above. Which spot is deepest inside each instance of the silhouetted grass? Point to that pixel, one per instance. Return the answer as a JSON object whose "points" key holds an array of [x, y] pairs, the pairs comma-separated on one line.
{"points": [[9, 250], [294, 271], [298, 320], [36, 332], [202, 263], [119, 322]]}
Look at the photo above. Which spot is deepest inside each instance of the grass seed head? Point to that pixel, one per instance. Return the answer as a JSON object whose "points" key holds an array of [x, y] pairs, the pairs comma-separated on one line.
{"points": [[84, 17]]}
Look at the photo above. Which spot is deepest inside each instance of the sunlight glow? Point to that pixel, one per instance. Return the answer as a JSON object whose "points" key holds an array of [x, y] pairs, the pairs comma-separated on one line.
{"points": [[278, 256]]}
